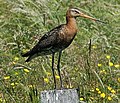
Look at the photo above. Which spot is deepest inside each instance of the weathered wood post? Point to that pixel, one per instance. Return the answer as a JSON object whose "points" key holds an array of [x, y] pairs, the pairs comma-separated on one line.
{"points": [[60, 96]]}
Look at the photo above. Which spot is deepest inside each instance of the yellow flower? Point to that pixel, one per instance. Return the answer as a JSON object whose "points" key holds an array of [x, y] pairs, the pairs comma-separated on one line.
{"points": [[109, 88], [94, 46], [16, 83], [103, 71], [46, 80], [92, 90], [99, 92], [16, 58], [48, 73], [109, 98], [16, 73], [30, 86], [1, 100], [117, 66], [102, 95], [67, 86], [99, 65], [108, 56], [110, 64], [118, 79], [7, 77], [81, 98], [71, 86], [26, 70], [113, 91], [97, 89], [57, 77], [12, 84]]}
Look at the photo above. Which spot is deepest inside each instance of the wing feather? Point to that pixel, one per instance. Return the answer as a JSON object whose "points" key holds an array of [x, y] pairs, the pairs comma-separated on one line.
{"points": [[47, 41]]}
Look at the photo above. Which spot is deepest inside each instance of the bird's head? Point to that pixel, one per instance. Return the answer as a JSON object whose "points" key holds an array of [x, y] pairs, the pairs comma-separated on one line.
{"points": [[74, 12]]}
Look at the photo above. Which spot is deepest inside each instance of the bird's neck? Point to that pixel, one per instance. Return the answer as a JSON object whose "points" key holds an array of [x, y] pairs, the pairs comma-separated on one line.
{"points": [[71, 23]]}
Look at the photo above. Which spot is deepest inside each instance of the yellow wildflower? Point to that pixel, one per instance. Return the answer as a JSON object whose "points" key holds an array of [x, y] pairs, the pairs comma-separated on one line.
{"points": [[117, 66], [113, 91], [67, 86], [26, 70], [1, 100], [30, 86], [118, 79], [81, 98], [110, 64], [109, 88], [48, 73], [71, 86], [92, 90], [16, 83], [94, 46], [102, 95], [109, 98], [103, 71], [99, 65], [99, 92], [57, 77], [108, 56], [46, 80], [16, 73], [7, 77], [97, 89], [16, 58], [12, 84]]}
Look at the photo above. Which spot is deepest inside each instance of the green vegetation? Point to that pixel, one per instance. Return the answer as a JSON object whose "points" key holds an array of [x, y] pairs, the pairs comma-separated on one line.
{"points": [[91, 62]]}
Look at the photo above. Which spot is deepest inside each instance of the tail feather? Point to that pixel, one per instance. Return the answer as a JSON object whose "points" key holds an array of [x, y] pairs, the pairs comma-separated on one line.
{"points": [[30, 57], [26, 54]]}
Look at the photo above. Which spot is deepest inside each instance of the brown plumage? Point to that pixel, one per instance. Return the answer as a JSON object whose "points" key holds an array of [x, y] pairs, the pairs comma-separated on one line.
{"points": [[57, 39]]}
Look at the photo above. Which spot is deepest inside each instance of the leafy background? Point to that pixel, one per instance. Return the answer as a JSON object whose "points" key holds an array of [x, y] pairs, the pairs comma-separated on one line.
{"points": [[91, 62]]}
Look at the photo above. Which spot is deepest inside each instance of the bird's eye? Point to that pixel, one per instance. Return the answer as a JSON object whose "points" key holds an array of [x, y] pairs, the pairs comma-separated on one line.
{"points": [[76, 12]]}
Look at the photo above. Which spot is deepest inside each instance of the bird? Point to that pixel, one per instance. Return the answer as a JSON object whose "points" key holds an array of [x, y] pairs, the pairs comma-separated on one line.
{"points": [[57, 39]]}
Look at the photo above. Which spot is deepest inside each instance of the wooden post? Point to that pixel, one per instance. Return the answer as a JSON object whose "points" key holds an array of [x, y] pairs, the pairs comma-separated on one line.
{"points": [[60, 96]]}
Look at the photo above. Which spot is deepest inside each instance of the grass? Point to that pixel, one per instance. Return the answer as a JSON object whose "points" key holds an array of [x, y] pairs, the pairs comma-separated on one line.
{"points": [[91, 62]]}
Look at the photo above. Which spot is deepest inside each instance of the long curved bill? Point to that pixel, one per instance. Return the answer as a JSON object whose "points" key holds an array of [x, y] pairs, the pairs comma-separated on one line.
{"points": [[89, 17]]}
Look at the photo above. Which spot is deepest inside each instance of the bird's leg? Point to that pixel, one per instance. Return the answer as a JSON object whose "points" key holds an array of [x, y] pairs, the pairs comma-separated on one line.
{"points": [[53, 70], [58, 67]]}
